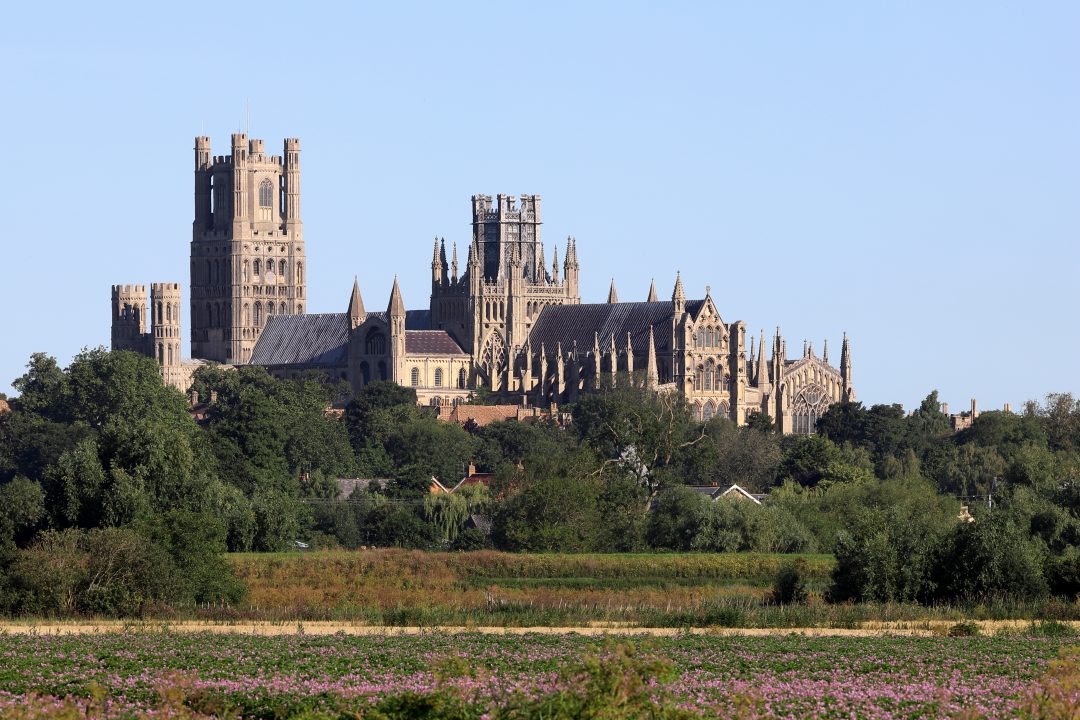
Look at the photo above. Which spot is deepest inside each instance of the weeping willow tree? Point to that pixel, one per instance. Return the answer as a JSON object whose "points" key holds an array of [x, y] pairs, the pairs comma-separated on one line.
{"points": [[447, 514]]}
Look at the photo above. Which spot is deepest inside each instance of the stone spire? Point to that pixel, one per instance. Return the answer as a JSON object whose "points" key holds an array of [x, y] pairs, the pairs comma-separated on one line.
{"points": [[555, 264], [845, 367], [651, 377], [825, 351], [454, 265], [762, 378], [612, 295], [356, 306], [560, 371], [613, 354], [571, 252], [543, 371], [396, 307], [437, 263], [678, 296], [596, 360], [629, 358], [750, 363], [652, 291]]}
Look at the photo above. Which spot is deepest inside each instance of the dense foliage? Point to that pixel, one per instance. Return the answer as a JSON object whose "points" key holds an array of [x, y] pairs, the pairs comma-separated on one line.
{"points": [[116, 497]]}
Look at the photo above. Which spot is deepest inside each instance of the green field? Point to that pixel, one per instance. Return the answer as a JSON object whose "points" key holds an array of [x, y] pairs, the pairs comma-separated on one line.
{"points": [[472, 676]]}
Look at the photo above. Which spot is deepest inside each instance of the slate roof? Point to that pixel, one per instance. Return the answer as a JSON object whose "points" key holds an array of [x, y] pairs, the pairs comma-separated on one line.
{"points": [[431, 342], [570, 323], [317, 340], [414, 319]]}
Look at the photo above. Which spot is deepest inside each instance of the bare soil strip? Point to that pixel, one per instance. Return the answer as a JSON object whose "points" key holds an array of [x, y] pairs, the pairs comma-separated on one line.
{"points": [[915, 628]]}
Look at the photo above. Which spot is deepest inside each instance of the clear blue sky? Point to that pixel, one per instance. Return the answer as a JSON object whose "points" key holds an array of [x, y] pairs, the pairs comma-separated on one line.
{"points": [[907, 172]]}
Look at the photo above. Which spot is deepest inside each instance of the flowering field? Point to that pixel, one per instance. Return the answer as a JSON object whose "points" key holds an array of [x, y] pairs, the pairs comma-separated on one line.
{"points": [[162, 674]]}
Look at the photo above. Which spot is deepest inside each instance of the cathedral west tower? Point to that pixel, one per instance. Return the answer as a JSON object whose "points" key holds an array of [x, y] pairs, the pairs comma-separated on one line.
{"points": [[247, 246]]}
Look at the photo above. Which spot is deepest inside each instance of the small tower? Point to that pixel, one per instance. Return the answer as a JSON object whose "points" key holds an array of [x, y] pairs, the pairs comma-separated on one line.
{"points": [[651, 376], [762, 378], [165, 304], [571, 267], [129, 318], [395, 316], [845, 369], [652, 292], [612, 295]]}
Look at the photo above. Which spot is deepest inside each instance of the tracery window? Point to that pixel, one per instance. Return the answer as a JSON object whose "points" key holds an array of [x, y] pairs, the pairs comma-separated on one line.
{"points": [[461, 378], [375, 343], [493, 356], [258, 313], [415, 377], [266, 194], [438, 377], [810, 404]]}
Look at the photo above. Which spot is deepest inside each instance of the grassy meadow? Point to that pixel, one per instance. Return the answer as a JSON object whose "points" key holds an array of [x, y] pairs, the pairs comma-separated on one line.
{"points": [[407, 587]]}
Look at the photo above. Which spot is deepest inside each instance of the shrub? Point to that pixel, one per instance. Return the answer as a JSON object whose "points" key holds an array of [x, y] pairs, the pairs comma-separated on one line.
{"points": [[789, 588], [1052, 629], [988, 560], [965, 629]]}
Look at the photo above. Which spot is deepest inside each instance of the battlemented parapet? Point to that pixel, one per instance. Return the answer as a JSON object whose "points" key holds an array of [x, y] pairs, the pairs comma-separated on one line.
{"points": [[162, 341]]}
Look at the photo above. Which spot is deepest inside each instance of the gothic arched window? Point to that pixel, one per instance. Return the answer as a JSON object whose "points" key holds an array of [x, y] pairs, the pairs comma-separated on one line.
{"points": [[810, 404], [299, 309], [258, 314], [281, 269], [375, 343], [438, 377], [247, 314], [415, 377], [282, 309], [168, 312], [258, 268], [461, 378], [266, 194]]}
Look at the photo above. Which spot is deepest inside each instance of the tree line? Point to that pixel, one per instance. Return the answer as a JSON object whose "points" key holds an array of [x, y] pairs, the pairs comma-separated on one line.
{"points": [[115, 497]]}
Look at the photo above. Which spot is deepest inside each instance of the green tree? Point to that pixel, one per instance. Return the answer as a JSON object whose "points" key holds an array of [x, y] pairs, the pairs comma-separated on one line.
{"points": [[807, 458], [638, 431]]}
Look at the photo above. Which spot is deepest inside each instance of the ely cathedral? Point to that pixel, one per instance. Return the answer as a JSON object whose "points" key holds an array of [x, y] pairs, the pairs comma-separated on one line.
{"points": [[504, 318]]}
